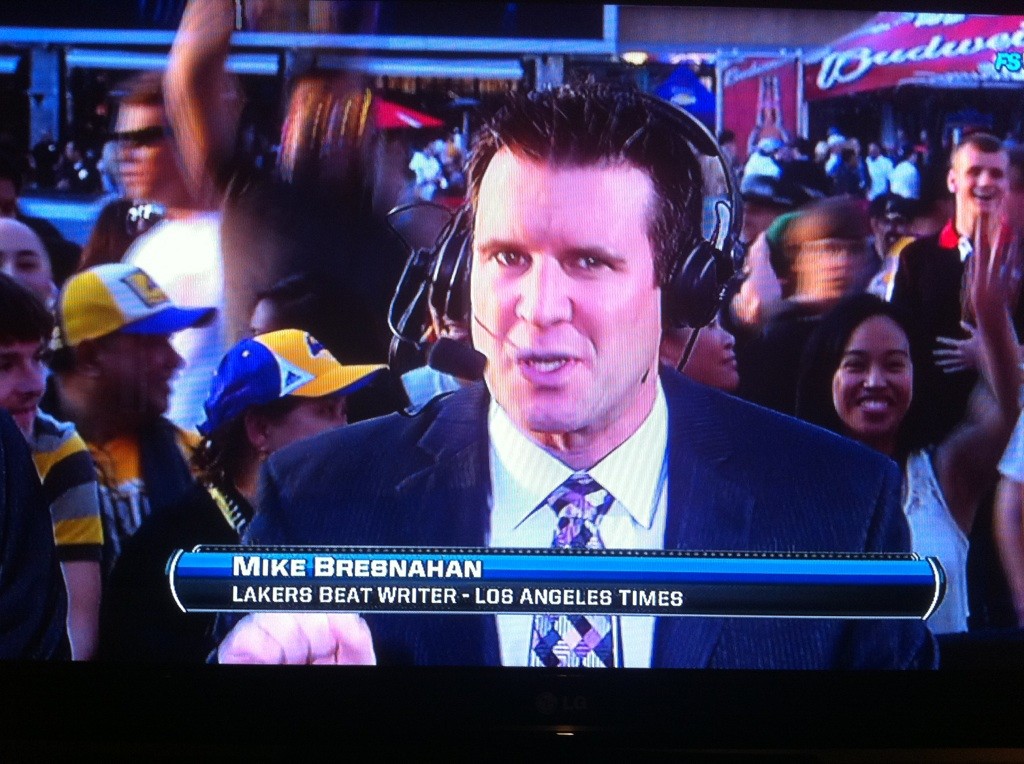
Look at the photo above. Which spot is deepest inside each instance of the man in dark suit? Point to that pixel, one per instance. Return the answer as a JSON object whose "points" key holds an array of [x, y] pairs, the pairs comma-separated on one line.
{"points": [[721, 495], [583, 198], [930, 280]]}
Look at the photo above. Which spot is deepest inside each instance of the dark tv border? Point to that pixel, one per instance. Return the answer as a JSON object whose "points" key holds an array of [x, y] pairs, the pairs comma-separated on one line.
{"points": [[239, 710], [166, 711]]}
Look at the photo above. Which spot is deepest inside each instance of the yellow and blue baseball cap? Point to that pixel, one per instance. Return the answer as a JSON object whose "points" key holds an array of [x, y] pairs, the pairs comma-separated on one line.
{"points": [[119, 297], [270, 366]]}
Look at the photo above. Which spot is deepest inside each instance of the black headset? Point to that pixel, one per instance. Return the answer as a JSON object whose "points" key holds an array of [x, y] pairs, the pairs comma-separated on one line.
{"points": [[692, 293], [437, 277], [698, 276]]}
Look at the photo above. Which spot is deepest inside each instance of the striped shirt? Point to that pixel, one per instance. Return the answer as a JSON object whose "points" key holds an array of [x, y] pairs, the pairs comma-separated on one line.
{"points": [[124, 501], [69, 485]]}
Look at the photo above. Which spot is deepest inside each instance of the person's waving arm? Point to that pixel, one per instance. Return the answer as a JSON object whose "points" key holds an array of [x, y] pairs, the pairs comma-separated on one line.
{"points": [[966, 461], [202, 101]]}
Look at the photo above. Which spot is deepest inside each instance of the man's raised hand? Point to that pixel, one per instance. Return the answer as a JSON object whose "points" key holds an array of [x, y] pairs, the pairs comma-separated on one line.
{"points": [[299, 639]]}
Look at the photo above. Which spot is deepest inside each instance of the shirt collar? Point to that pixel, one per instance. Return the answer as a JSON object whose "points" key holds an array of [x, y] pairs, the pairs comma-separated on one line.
{"points": [[629, 473], [965, 247], [948, 237]]}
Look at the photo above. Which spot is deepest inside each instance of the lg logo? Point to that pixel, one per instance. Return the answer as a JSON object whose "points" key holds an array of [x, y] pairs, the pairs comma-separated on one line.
{"points": [[549, 703]]}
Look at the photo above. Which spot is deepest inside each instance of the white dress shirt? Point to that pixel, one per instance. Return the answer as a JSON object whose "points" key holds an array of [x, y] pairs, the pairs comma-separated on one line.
{"points": [[523, 475], [423, 384], [905, 180], [879, 170]]}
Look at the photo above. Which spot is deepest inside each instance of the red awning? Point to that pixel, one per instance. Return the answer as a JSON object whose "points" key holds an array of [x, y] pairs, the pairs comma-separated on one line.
{"points": [[391, 116], [934, 49]]}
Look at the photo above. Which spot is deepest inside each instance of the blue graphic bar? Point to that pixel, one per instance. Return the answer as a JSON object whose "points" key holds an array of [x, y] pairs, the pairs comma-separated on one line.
{"points": [[461, 580]]}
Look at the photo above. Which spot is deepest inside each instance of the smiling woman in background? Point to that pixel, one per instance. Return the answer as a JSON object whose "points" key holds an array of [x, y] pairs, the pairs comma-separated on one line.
{"points": [[858, 379]]}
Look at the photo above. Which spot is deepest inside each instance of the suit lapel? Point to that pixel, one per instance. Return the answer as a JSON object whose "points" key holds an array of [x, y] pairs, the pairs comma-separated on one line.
{"points": [[453, 486], [706, 509], [450, 498]]}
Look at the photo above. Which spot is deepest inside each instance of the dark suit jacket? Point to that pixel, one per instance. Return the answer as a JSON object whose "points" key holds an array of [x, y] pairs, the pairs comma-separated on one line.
{"points": [[769, 364], [928, 284], [33, 604], [740, 477]]}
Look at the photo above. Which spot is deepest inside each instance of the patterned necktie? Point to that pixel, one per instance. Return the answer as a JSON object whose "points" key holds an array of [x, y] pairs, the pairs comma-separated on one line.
{"points": [[575, 639]]}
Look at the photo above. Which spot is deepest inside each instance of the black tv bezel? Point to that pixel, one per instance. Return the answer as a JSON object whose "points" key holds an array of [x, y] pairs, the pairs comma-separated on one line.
{"points": [[499, 712], [255, 710]]}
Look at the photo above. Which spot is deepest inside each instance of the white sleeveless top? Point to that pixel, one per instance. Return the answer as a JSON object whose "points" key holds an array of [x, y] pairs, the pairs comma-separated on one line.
{"points": [[934, 533]]}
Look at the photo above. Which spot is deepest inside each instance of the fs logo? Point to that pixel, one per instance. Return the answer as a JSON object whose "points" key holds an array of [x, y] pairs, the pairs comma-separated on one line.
{"points": [[1008, 61]]}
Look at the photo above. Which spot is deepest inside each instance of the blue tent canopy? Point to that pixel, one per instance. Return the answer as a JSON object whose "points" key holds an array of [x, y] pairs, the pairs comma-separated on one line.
{"points": [[685, 89]]}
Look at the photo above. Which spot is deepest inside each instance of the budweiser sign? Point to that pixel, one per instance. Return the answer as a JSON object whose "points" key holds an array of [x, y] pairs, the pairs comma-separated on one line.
{"points": [[906, 51], [740, 72], [850, 65]]}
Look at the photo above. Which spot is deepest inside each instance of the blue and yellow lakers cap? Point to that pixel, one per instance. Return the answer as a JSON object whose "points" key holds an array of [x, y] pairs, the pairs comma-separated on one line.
{"points": [[118, 297], [270, 366]]}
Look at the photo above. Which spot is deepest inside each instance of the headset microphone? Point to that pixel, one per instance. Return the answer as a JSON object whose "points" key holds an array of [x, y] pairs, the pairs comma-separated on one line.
{"points": [[492, 335], [458, 359], [483, 326], [688, 350]]}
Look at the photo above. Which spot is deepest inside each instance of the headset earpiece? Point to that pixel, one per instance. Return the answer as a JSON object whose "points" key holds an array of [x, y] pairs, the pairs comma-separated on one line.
{"points": [[693, 292], [697, 278]]}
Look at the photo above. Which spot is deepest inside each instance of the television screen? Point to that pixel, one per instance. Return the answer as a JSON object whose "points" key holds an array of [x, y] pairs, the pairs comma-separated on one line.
{"points": [[484, 348]]}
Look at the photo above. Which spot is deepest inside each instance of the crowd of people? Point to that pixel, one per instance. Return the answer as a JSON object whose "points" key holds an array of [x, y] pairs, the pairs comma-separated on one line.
{"points": [[222, 313], [837, 165], [825, 276], [440, 167]]}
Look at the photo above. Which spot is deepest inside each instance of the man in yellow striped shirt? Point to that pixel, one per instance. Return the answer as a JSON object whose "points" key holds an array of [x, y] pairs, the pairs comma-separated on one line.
{"points": [[61, 459], [113, 365]]}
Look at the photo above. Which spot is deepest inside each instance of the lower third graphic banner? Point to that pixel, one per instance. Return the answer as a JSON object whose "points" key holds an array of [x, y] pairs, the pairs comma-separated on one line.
{"points": [[462, 580]]}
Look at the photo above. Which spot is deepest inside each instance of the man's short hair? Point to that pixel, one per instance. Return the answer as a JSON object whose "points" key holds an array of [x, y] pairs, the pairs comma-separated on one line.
{"points": [[838, 217], [986, 143], [889, 203], [23, 317], [604, 125], [145, 89]]}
